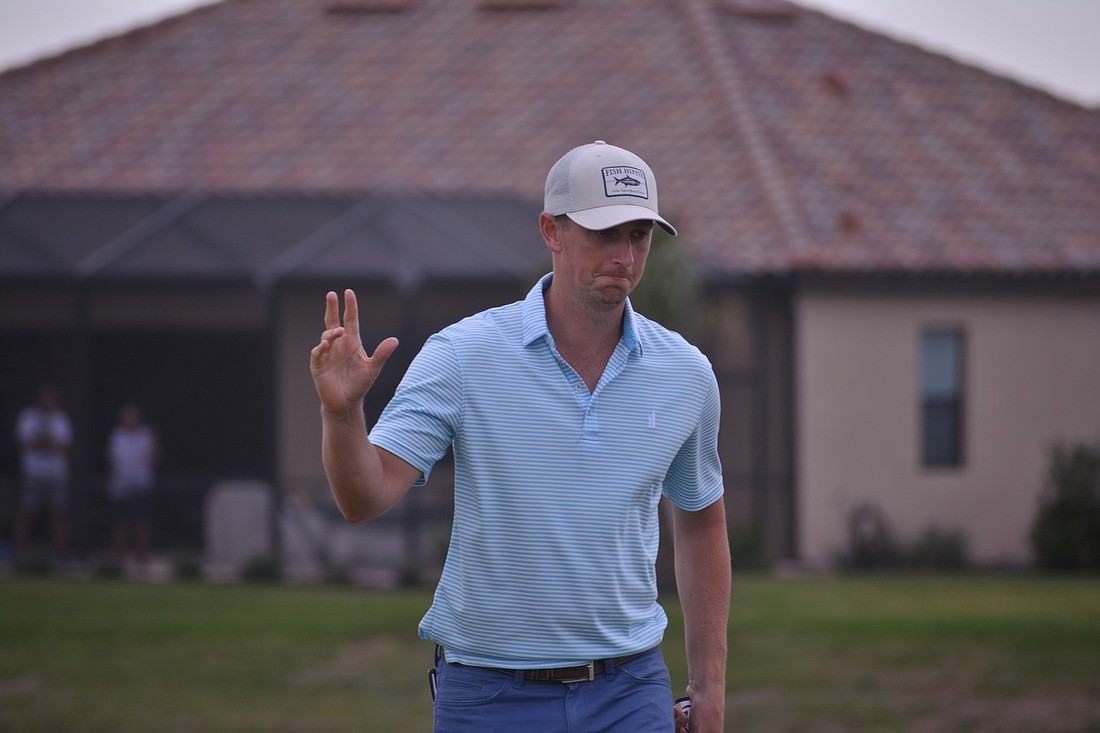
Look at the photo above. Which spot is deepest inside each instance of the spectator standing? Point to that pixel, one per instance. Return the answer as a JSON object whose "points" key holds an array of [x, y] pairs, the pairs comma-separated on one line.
{"points": [[132, 454], [45, 436]]}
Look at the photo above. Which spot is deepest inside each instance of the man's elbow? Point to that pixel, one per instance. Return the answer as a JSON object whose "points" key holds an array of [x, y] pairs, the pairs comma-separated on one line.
{"points": [[354, 517], [361, 505], [359, 513]]}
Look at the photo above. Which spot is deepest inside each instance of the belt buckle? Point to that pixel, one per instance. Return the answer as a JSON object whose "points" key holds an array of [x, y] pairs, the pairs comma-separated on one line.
{"points": [[591, 675]]}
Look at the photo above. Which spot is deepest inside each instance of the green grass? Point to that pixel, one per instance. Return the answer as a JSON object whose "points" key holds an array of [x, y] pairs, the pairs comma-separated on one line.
{"points": [[1006, 654]]}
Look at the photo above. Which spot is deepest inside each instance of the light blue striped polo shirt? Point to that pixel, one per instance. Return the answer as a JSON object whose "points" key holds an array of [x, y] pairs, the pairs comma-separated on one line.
{"points": [[552, 551]]}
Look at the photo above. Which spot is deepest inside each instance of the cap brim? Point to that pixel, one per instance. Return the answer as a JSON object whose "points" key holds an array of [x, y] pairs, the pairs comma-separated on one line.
{"points": [[605, 217]]}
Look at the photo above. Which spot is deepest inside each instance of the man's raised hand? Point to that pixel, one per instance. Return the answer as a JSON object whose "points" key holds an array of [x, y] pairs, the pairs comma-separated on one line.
{"points": [[342, 371]]}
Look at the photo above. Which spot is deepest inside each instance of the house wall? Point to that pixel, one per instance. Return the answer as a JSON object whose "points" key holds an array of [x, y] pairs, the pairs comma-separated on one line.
{"points": [[1032, 363]]}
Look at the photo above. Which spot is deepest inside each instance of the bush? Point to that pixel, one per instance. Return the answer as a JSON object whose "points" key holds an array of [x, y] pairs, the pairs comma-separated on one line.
{"points": [[107, 567], [748, 550], [262, 569], [409, 576], [34, 562], [938, 549], [871, 543], [337, 574], [1066, 531], [187, 567]]}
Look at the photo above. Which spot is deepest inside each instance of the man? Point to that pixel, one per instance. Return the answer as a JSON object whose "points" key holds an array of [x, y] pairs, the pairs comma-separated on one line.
{"points": [[45, 436], [132, 452], [569, 415]]}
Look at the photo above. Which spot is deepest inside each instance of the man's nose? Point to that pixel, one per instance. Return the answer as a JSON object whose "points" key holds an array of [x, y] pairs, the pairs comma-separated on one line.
{"points": [[624, 251]]}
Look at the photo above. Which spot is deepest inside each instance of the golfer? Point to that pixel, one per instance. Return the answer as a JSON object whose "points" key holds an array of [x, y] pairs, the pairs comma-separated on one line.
{"points": [[570, 415]]}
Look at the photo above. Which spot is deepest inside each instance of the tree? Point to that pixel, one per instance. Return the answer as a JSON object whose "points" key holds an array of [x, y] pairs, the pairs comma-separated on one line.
{"points": [[1066, 532]]}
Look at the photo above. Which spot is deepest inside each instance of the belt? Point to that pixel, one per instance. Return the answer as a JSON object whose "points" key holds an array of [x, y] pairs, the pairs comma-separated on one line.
{"points": [[567, 675]]}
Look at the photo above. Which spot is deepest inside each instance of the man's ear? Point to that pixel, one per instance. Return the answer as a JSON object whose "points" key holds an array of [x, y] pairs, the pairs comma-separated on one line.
{"points": [[551, 231]]}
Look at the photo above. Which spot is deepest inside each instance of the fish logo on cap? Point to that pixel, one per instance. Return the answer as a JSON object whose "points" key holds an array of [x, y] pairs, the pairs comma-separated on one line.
{"points": [[625, 181]]}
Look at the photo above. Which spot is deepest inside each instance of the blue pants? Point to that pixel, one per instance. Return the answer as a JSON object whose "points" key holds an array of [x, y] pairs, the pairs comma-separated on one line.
{"points": [[635, 697]]}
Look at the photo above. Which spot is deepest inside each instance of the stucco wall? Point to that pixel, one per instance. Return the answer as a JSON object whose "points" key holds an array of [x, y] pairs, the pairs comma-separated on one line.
{"points": [[1032, 376]]}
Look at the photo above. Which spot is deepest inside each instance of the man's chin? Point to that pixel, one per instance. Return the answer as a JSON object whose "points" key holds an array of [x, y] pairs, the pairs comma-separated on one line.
{"points": [[612, 295]]}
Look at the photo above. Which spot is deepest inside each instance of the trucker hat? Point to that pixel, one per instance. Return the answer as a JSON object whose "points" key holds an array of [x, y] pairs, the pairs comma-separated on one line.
{"points": [[600, 186]]}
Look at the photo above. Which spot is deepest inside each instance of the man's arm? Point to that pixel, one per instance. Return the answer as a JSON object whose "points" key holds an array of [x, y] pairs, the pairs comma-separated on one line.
{"points": [[703, 581], [366, 481]]}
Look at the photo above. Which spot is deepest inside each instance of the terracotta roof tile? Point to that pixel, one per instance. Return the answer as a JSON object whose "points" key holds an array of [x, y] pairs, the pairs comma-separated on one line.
{"points": [[784, 140]]}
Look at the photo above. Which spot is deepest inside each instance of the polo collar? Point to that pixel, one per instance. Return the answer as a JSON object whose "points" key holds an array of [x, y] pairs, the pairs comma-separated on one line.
{"points": [[534, 318]]}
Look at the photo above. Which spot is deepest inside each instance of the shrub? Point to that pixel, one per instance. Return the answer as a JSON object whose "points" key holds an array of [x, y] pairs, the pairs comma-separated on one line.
{"points": [[262, 569], [748, 550], [187, 567], [337, 574], [871, 543], [1066, 531], [34, 562], [409, 576], [107, 567], [938, 549]]}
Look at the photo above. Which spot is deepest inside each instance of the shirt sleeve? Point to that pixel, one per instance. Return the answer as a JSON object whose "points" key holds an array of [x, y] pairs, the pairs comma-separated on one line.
{"points": [[419, 423], [64, 433], [694, 480]]}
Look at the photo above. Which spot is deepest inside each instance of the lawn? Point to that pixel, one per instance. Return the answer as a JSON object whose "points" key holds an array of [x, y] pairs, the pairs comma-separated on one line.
{"points": [[977, 654]]}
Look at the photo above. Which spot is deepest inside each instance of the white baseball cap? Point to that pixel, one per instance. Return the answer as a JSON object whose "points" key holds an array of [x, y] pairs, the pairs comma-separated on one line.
{"points": [[600, 186]]}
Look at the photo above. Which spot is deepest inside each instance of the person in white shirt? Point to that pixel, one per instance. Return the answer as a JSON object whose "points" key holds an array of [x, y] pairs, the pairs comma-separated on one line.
{"points": [[45, 436], [131, 453]]}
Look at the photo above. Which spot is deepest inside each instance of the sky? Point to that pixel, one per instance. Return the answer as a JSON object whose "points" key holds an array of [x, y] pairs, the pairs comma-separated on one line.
{"points": [[1049, 44]]}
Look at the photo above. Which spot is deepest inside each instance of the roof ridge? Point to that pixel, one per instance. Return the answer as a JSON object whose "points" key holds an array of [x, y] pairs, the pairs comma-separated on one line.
{"points": [[319, 241], [130, 239], [732, 95]]}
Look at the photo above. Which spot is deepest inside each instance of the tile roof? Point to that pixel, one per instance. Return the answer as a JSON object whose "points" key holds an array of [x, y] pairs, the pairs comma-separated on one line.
{"points": [[784, 140]]}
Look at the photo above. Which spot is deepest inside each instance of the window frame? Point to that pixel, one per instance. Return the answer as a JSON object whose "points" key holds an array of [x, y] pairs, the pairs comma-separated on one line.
{"points": [[931, 458]]}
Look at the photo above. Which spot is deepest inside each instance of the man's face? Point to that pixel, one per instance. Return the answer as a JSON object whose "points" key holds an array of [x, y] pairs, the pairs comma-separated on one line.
{"points": [[48, 399], [604, 265]]}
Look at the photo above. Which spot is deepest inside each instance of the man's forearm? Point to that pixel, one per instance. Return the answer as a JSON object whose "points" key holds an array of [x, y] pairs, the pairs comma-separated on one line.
{"points": [[705, 599], [703, 580], [354, 467]]}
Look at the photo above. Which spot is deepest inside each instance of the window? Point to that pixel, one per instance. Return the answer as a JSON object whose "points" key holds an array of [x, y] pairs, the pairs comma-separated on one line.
{"points": [[941, 375]]}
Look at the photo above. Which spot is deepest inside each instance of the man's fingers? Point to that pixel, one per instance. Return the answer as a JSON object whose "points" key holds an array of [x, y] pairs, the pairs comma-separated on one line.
{"points": [[327, 337], [332, 310], [334, 332], [383, 352], [351, 313]]}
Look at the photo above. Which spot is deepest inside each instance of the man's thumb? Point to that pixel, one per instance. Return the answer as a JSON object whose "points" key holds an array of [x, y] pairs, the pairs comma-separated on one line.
{"points": [[383, 351]]}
